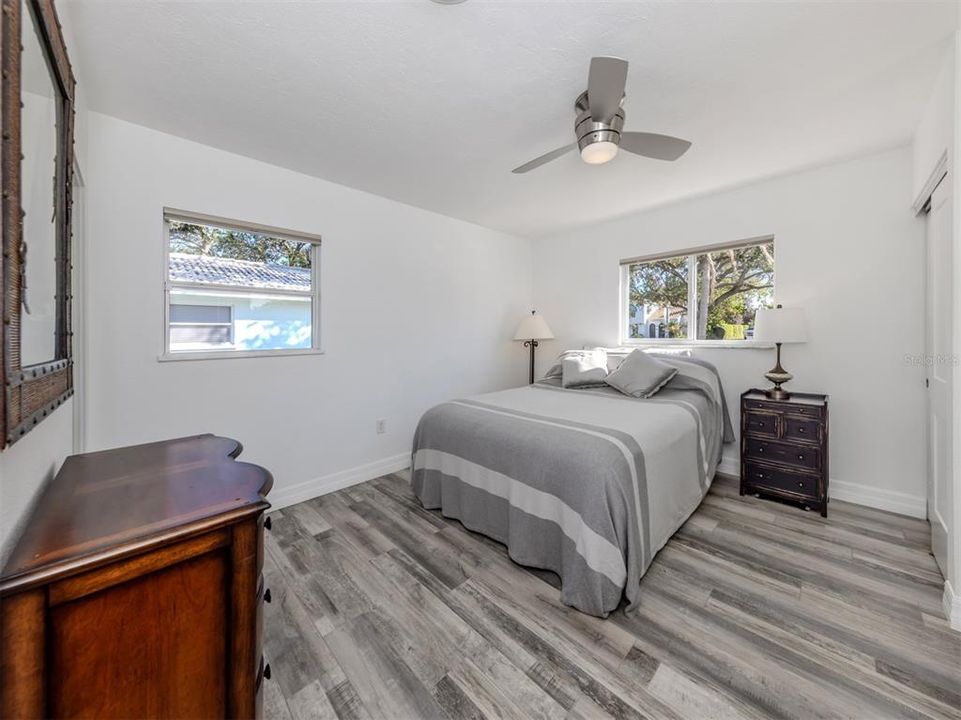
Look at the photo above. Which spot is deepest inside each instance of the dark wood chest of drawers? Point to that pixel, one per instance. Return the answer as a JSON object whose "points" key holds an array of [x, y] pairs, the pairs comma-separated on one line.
{"points": [[136, 588], [784, 447]]}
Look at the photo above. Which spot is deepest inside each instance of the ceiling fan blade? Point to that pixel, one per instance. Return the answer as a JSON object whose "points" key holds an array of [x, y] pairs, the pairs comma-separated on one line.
{"points": [[545, 158], [605, 87], [652, 145]]}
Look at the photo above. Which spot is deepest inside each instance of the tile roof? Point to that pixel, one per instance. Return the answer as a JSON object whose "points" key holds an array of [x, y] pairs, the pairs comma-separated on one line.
{"points": [[245, 273]]}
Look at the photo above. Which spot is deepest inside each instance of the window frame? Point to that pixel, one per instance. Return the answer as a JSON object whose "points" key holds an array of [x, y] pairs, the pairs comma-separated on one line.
{"points": [[175, 215], [691, 340]]}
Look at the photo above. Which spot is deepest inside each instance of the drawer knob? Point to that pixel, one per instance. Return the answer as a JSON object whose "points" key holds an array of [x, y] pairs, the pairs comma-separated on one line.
{"points": [[267, 595], [800, 457], [800, 484], [267, 671], [267, 523], [800, 429]]}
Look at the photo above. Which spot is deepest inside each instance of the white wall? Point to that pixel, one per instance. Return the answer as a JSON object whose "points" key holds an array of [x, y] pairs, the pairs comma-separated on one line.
{"points": [[26, 465], [415, 308], [848, 249], [934, 136]]}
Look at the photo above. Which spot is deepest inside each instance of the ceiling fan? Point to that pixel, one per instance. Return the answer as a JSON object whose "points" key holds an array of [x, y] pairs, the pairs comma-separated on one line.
{"points": [[600, 117]]}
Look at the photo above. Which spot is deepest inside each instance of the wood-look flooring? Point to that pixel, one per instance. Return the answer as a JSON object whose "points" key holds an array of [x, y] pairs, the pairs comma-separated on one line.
{"points": [[754, 609]]}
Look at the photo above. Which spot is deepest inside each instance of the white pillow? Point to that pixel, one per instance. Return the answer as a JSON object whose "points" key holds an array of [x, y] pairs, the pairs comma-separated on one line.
{"points": [[585, 370]]}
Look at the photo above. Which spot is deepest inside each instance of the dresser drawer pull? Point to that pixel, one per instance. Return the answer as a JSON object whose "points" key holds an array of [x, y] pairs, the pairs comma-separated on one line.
{"points": [[267, 671], [800, 484], [800, 457], [267, 595], [800, 429], [267, 523]]}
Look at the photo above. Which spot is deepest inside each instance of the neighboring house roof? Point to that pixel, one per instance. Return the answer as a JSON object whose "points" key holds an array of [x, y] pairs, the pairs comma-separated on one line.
{"points": [[245, 273]]}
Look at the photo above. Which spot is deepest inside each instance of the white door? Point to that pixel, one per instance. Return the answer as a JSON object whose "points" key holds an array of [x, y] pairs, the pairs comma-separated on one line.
{"points": [[939, 370]]}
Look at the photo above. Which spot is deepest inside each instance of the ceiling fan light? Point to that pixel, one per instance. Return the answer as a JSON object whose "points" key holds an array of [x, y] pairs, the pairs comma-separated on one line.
{"points": [[599, 153]]}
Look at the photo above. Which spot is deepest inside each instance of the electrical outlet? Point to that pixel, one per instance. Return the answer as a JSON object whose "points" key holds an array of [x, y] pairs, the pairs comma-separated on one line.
{"points": [[381, 426]]}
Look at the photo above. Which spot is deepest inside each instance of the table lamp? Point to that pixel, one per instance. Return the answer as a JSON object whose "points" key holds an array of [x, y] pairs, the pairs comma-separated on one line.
{"points": [[779, 325]]}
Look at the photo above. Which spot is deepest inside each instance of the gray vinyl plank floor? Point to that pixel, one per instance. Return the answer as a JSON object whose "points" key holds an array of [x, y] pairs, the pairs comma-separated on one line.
{"points": [[754, 609]]}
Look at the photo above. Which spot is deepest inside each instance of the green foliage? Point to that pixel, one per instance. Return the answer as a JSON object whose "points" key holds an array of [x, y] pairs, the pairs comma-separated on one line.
{"points": [[731, 311], [662, 282], [235, 245]]}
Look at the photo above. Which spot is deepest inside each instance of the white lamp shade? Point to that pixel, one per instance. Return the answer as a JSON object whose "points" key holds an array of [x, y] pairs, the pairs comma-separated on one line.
{"points": [[780, 325], [533, 327]]}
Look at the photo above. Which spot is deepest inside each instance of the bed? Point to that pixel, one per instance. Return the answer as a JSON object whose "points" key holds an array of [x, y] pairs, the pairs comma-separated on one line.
{"points": [[587, 483]]}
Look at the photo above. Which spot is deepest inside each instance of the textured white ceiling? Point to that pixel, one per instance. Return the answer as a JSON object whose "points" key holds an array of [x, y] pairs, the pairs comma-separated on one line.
{"points": [[433, 105]]}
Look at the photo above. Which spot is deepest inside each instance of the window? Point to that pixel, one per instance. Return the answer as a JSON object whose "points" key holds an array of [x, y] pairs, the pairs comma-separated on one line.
{"points": [[238, 289], [708, 294]]}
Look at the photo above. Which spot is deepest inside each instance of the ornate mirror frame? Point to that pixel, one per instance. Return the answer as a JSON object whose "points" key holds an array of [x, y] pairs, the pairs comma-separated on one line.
{"points": [[32, 393]]}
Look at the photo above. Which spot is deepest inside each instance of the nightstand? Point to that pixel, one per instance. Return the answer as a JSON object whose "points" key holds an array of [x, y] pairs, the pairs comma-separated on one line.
{"points": [[784, 448]]}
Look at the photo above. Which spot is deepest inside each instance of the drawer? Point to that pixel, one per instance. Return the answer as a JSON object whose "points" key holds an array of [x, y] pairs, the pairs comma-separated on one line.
{"points": [[813, 411], [763, 477], [757, 422], [795, 455], [801, 429]]}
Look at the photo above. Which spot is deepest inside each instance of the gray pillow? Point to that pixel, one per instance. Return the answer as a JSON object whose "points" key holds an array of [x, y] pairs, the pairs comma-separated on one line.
{"points": [[641, 375], [588, 370]]}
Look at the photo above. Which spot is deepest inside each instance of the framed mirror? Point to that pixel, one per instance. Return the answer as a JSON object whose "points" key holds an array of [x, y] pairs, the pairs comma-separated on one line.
{"points": [[37, 167]]}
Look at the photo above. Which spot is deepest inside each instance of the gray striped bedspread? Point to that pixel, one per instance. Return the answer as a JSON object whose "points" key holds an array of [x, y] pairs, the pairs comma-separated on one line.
{"points": [[588, 483]]}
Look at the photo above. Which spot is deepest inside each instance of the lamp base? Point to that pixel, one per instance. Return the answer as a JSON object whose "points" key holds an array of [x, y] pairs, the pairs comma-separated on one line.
{"points": [[532, 344], [776, 393], [778, 375]]}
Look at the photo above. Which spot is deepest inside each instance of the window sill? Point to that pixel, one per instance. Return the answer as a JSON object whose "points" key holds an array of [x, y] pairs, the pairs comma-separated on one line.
{"points": [[692, 344], [235, 354]]}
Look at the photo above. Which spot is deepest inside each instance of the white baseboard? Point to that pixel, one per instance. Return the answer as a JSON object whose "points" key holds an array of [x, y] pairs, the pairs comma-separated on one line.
{"points": [[952, 607], [282, 497], [915, 506], [890, 500]]}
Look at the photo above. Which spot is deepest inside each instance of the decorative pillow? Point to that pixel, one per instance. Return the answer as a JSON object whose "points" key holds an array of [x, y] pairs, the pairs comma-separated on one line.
{"points": [[641, 375], [557, 369], [586, 370]]}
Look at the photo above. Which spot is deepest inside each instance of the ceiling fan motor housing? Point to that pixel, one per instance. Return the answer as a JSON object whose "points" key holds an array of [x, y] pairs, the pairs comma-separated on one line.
{"points": [[588, 131]]}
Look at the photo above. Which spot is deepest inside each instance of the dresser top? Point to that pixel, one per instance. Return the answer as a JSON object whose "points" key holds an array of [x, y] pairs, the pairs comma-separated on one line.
{"points": [[113, 503], [797, 398]]}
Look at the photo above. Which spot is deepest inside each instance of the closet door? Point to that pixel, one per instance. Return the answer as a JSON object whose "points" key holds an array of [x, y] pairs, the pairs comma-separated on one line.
{"points": [[940, 302]]}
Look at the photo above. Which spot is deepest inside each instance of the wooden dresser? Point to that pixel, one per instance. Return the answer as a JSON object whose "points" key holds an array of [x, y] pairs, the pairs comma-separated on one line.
{"points": [[784, 447], [136, 588]]}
